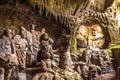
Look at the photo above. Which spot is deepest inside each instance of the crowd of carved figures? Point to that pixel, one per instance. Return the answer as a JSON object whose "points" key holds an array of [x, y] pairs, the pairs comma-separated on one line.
{"points": [[28, 55]]}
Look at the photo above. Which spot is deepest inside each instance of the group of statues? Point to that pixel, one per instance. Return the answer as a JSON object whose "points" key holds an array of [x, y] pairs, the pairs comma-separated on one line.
{"points": [[30, 49], [18, 51]]}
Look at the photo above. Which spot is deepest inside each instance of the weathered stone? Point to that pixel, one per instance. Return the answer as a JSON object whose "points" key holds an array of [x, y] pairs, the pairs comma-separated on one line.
{"points": [[116, 56], [2, 71]]}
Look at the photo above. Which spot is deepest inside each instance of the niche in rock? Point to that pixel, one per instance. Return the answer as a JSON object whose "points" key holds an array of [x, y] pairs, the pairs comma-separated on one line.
{"points": [[91, 35]]}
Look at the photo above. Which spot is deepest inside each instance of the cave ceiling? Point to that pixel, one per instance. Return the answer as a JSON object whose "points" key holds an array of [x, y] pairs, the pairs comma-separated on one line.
{"points": [[68, 6], [65, 12]]}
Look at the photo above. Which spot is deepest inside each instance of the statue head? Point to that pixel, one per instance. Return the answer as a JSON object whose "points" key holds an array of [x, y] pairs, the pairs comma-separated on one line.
{"points": [[94, 32], [42, 30], [44, 36], [32, 27], [8, 32], [22, 31]]}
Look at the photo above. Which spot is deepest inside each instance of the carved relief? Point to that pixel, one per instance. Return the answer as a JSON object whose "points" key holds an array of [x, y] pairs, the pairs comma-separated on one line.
{"points": [[91, 35]]}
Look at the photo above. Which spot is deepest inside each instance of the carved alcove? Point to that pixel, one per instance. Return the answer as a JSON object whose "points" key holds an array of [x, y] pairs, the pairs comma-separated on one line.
{"points": [[94, 29], [95, 35]]}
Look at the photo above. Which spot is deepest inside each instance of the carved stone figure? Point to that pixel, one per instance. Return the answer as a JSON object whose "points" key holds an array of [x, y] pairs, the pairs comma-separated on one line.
{"points": [[28, 39], [41, 32], [95, 56], [46, 70], [34, 33], [21, 50], [97, 36], [45, 61], [35, 45], [8, 57], [82, 35], [45, 46], [22, 46]]}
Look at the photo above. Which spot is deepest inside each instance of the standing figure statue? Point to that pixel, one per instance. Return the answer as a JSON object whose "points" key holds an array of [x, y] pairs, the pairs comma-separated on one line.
{"points": [[45, 46], [28, 37], [35, 35], [32, 59], [22, 46], [46, 71], [8, 57], [44, 58]]}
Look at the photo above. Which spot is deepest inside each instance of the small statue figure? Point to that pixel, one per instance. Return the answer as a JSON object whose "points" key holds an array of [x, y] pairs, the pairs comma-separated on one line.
{"points": [[45, 46], [22, 46], [97, 36], [32, 59], [44, 58], [41, 32], [35, 36], [8, 58], [46, 64], [28, 37]]}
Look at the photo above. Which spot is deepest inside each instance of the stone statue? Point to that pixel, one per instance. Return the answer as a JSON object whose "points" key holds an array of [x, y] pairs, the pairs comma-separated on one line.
{"points": [[41, 32], [35, 45], [45, 46], [97, 36], [22, 46], [46, 64], [28, 39], [44, 58], [34, 33], [8, 58]]}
